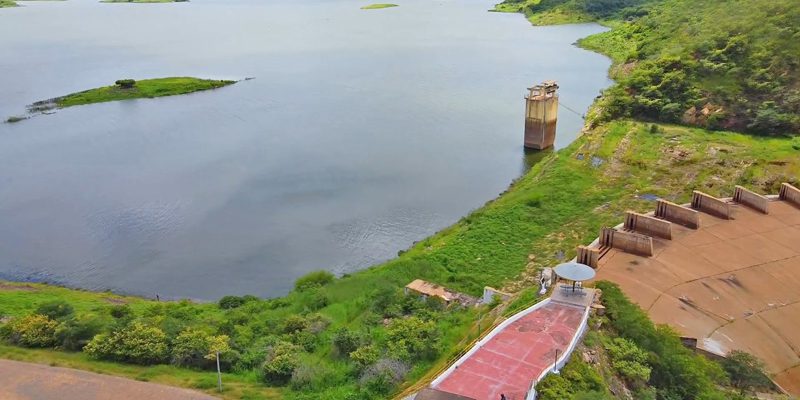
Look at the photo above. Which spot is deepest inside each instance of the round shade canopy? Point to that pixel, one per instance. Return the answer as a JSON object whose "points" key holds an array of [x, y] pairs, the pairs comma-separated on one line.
{"points": [[574, 271]]}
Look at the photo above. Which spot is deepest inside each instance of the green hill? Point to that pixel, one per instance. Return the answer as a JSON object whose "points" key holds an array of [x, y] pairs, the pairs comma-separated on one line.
{"points": [[715, 64]]}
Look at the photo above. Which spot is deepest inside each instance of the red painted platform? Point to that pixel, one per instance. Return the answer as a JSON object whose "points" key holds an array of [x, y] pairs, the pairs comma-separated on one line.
{"points": [[511, 360]]}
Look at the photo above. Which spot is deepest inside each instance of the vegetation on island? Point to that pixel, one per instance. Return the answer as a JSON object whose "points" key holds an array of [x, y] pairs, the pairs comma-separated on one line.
{"points": [[125, 89], [378, 6], [359, 337], [8, 3]]}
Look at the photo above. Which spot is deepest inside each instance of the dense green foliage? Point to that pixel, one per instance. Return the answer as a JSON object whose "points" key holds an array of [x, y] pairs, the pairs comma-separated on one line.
{"points": [[146, 88], [746, 371], [577, 380], [716, 64], [7, 3]]}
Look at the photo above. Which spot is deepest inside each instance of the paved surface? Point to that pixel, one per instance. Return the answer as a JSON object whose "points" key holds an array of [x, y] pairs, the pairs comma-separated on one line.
{"points": [[732, 284], [25, 381], [512, 359]]}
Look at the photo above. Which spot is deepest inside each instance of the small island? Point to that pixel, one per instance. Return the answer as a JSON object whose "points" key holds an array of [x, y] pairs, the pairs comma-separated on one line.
{"points": [[125, 89], [378, 6], [7, 3]]}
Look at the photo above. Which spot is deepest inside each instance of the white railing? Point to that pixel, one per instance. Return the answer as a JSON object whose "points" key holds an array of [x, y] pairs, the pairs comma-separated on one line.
{"points": [[487, 338], [564, 356]]}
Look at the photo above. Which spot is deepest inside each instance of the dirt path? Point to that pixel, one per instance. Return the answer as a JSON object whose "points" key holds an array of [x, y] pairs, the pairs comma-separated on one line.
{"points": [[25, 381]]}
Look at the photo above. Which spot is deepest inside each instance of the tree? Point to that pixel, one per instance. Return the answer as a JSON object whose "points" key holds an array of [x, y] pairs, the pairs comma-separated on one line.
{"points": [[137, 343], [746, 371]]}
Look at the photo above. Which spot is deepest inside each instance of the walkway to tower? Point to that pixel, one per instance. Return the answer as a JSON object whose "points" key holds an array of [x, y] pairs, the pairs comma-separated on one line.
{"points": [[514, 355]]}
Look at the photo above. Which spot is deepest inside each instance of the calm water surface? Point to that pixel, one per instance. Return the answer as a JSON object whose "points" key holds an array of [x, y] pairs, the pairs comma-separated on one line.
{"points": [[362, 132]]}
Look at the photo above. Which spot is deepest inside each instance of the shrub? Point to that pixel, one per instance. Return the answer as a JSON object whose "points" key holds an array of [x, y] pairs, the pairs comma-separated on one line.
{"points": [[125, 83], [121, 311], [628, 360], [137, 343], [305, 339], [75, 333], [294, 323], [384, 375], [196, 348], [316, 300], [365, 356], [35, 330], [311, 376], [345, 341], [575, 378], [281, 361], [412, 339], [228, 302], [55, 309], [313, 279], [745, 371]]}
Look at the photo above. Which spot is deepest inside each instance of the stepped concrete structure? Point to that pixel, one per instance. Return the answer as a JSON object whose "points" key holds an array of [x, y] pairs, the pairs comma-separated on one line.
{"points": [[725, 273]]}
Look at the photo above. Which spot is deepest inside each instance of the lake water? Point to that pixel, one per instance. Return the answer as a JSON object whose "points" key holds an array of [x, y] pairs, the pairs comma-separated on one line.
{"points": [[362, 132]]}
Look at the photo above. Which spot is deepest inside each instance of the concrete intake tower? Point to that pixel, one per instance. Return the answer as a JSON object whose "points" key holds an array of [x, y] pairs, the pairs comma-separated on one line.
{"points": [[541, 115]]}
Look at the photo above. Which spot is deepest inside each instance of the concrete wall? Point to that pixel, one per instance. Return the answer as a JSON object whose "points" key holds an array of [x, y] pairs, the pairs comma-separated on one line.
{"points": [[489, 293], [790, 193], [627, 241], [751, 199], [677, 214], [541, 115], [588, 256], [711, 205], [648, 225]]}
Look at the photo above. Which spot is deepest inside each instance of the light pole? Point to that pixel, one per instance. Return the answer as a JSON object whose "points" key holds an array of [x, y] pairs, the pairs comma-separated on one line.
{"points": [[219, 375], [555, 364]]}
